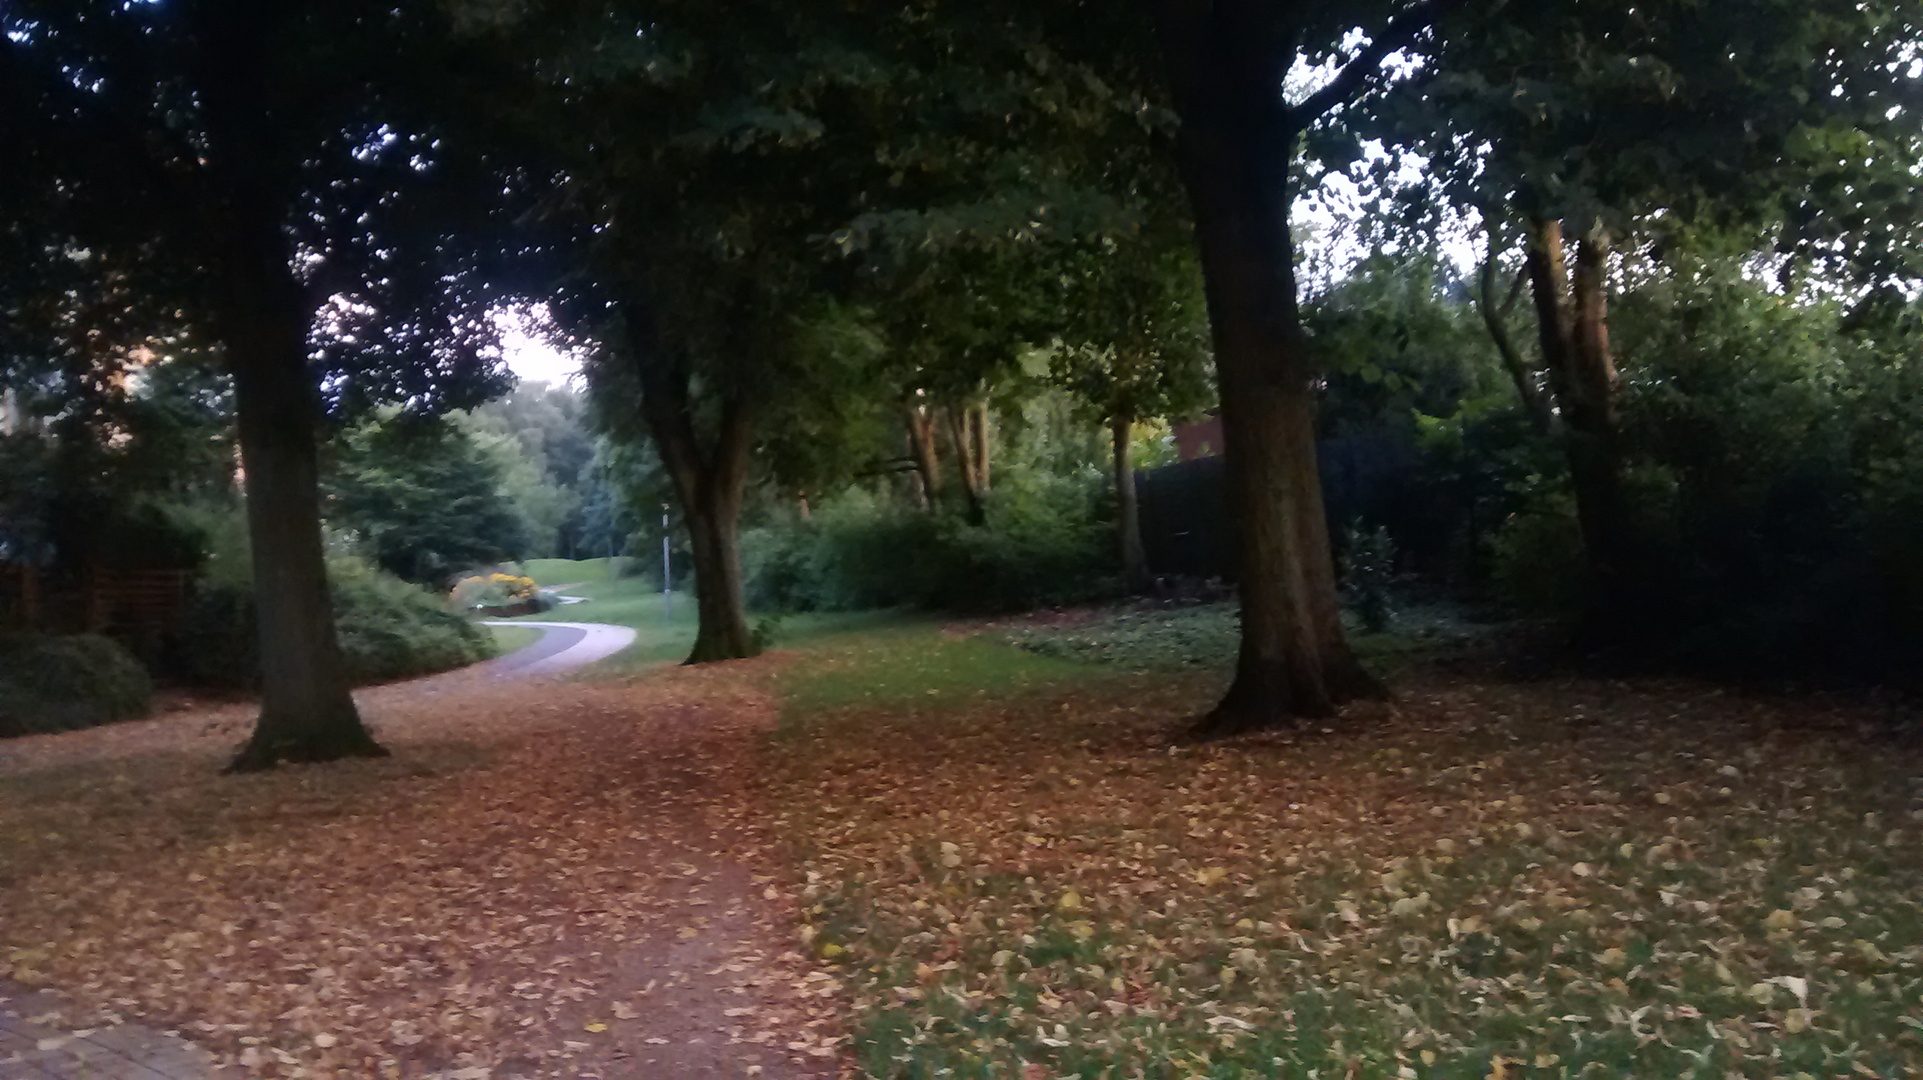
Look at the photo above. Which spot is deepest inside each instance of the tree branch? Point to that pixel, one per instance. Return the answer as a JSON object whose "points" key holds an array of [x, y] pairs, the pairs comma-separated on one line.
{"points": [[1349, 81]]}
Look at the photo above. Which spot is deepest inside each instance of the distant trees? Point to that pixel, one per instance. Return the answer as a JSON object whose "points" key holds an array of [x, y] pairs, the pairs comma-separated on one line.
{"points": [[423, 498], [1134, 347]]}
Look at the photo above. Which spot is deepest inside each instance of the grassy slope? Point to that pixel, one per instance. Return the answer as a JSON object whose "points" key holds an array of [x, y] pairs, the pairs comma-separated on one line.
{"points": [[1013, 864], [662, 635]]}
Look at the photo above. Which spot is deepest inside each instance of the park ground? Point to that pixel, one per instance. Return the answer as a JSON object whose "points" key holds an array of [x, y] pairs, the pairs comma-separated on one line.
{"points": [[898, 847]]}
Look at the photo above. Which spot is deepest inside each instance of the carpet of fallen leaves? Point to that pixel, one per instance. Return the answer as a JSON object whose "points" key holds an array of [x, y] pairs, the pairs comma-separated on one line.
{"points": [[1484, 878], [546, 879]]}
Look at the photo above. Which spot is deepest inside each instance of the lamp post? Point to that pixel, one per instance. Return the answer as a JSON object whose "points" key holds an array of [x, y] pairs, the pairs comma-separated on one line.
{"points": [[667, 576]]}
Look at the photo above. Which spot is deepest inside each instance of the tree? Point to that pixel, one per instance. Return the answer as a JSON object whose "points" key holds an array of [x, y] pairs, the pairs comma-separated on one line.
{"points": [[268, 160], [726, 175], [422, 496], [1237, 144], [1580, 125], [1134, 348]]}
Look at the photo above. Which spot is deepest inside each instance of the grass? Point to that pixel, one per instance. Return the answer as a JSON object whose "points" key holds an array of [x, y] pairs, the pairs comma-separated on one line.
{"points": [[551, 572], [508, 639], [665, 627], [1154, 637], [1019, 871]]}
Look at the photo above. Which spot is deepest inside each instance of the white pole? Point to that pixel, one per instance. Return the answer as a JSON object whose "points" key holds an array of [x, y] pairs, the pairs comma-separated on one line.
{"points": [[667, 577]]}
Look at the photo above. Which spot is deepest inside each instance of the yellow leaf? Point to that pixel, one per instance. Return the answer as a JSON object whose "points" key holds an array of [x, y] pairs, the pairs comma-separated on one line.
{"points": [[597, 1027], [1781, 919], [1070, 901]]}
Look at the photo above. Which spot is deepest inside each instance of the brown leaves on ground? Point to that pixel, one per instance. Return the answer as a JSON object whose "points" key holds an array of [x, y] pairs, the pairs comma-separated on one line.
{"points": [[1639, 877], [545, 879]]}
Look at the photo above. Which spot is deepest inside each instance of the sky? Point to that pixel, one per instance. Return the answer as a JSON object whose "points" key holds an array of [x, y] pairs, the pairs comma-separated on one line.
{"points": [[530, 350]]}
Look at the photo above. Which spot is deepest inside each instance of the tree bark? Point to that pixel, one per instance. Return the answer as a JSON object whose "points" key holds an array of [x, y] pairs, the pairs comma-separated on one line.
{"points": [[1128, 514], [921, 446], [715, 529], [1495, 319], [1572, 319], [978, 420], [1234, 149], [306, 712], [708, 482], [974, 489]]}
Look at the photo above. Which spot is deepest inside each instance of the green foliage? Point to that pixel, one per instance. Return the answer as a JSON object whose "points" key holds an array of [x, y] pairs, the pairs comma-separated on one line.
{"points": [[1154, 639], [539, 439], [1046, 544], [1369, 574], [70, 682], [1537, 563], [388, 629], [424, 499]]}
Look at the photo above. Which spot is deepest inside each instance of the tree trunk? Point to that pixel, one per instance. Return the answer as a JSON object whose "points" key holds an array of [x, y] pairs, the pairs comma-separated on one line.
{"points": [[1234, 150], [306, 710], [1573, 323], [921, 446], [1495, 319], [708, 482], [714, 527], [960, 423], [1128, 515], [978, 421]]}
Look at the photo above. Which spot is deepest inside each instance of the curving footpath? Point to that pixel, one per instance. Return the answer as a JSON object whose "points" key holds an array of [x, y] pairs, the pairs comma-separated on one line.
{"points": [[563, 647]]}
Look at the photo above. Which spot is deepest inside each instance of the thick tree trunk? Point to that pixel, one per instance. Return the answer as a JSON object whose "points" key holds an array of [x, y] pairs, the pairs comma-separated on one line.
{"points": [[1573, 322], [1128, 514], [708, 482], [714, 527], [1234, 150], [974, 489], [921, 446], [306, 711]]}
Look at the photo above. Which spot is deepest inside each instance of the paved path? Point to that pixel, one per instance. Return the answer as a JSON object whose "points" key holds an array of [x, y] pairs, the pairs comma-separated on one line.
{"points": [[33, 1047], [566, 645]]}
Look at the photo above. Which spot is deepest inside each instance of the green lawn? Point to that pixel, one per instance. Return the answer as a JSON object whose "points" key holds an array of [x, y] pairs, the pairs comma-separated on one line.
{"points": [[508, 639], [665, 627]]}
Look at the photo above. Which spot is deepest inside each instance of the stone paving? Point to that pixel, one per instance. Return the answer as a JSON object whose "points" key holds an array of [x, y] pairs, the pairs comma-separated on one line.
{"points": [[31, 1049]]}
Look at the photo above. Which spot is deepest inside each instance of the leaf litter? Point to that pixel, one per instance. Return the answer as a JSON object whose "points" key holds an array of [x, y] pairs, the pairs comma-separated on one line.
{"points": [[546, 879], [1484, 878]]}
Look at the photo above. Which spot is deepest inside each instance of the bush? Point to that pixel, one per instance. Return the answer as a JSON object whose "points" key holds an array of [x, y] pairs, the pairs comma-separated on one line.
{"points": [[1368, 574], [1046, 543], [1536, 561], [388, 629], [496, 590], [70, 682]]}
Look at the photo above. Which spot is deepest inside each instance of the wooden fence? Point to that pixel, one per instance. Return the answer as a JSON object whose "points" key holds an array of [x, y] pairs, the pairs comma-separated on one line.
{"points": [[133, 602]]}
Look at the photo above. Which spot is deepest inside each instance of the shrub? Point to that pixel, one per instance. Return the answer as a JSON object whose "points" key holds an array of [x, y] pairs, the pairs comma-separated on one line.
{"points": [[388, 629], [69, 682], [1368, 574], [1045, 544], [493, 590], [1537, 561]]}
